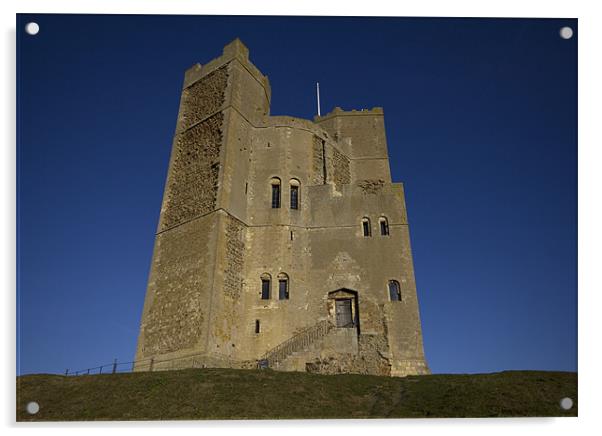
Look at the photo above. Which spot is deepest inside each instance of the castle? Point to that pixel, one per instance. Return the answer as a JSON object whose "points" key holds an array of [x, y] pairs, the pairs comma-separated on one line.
{"points": [[281, 241]]}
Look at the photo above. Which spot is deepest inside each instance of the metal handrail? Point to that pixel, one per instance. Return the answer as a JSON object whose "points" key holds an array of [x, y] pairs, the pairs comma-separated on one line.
{"points": [[297, 342]]}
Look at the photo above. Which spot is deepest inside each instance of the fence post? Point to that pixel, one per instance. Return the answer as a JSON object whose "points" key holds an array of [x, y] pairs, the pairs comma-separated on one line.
{"points": [[114, 366], [151, 363]]}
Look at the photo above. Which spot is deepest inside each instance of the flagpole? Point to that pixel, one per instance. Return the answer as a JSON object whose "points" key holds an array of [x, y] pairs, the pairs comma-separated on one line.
{"points": [[318, 95]]}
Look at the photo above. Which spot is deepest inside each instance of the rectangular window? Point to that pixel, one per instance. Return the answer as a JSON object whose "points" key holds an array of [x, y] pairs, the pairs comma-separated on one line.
{"points": [[265, 289], [283, 289], [257, 326], [294, 197], [275, 196]]}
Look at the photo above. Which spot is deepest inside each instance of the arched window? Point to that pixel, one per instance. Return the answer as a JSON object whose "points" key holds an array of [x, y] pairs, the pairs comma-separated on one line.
{"points": [[266, 281], [394, 290], [275, 184], [366, 227], [283, 287], [384, 226], [294, 193]]}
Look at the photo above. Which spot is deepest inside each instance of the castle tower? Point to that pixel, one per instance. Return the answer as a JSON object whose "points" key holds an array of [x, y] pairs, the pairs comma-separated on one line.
{"points": [[280, 240]]}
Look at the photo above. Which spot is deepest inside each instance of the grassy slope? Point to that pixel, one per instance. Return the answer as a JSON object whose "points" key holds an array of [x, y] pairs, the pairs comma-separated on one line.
{"points": [[240, 394]]}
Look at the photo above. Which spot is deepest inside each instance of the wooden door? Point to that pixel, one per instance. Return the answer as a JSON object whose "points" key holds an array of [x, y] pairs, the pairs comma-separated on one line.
{"points": [[343, 313]]}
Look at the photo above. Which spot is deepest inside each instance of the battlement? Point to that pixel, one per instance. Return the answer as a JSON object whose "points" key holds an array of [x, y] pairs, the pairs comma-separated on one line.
{"points": [[235, 50], [339, 112], [361, 134]]}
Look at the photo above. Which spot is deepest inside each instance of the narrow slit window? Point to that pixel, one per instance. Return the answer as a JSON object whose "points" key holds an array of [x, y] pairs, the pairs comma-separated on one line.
{"points": [[275, 183], [294, 197], [366, 227], [384, 226], [394, 290], [294, 194], [275, 196], [283, 292], [323, 162], [257, 327], [265, 288]]}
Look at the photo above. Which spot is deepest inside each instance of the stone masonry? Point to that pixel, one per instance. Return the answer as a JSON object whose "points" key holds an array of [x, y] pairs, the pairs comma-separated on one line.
{"points": [[281, 240]]}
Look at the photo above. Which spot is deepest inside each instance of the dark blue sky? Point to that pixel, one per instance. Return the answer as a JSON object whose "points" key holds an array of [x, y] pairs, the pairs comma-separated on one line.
{"points": [[481, 118]]}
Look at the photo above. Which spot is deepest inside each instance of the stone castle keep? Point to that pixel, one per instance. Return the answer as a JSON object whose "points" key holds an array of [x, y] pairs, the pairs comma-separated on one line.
{"points": [[281, 240]]}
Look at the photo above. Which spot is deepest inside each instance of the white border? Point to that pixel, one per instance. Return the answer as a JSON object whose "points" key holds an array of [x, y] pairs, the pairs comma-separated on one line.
{"points": [[590, 218]]}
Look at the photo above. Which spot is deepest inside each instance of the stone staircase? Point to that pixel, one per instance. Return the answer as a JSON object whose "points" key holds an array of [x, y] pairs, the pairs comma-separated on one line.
{"points": [[299, 342]]}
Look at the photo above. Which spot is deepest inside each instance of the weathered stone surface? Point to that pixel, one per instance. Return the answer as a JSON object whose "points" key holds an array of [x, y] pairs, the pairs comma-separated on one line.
{"points": [[204, 97], [193, 180], [373, 358], [175, 317], [317, 169], [371, 186], [340, 162], [219, 236], [235, 251]]}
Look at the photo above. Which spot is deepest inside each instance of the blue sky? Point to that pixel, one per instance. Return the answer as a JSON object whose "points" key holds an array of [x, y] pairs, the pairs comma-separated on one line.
{"points": [[481, 119]]}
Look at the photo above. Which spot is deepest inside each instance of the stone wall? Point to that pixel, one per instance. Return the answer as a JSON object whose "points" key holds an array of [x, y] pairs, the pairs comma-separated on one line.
{"points": [[193, 175], [235, 248], [371, 186], [204, 97], [374, 350], [317, 169], [372, 359], [179, 286], [340, 163], [410, 367]]}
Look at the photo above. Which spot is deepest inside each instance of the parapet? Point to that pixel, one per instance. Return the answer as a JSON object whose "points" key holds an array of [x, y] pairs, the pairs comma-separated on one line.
{"points": [[234, 50], [338, 112]]}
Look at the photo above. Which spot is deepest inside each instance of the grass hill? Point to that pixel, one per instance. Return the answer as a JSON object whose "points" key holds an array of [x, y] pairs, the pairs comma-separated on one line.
{"points": [[255, 394]]}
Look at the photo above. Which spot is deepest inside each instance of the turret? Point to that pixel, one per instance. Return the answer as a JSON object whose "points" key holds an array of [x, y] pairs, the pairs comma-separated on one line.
{"points": [[361, 135]]}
